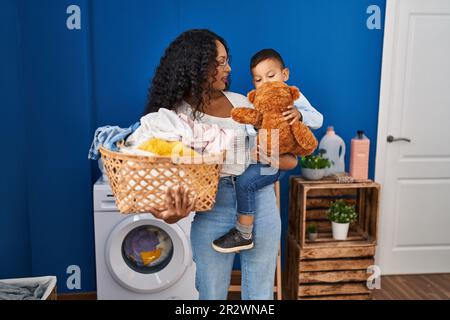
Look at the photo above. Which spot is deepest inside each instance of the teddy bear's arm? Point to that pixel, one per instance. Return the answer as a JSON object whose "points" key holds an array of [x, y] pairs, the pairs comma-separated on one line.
{"points": [[247, 116], [304, 137]]}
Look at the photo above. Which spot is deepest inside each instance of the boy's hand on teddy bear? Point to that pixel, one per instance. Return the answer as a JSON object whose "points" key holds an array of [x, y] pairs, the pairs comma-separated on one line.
{"points": [[292, 113]]}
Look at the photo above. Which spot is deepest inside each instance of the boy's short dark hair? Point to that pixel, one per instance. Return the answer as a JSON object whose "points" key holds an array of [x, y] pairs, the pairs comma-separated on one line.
{"points": [[265, 54]]}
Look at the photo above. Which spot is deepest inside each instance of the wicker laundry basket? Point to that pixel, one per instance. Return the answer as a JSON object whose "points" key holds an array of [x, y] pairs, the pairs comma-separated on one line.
{"points": [[49, 281], [139, 182]]}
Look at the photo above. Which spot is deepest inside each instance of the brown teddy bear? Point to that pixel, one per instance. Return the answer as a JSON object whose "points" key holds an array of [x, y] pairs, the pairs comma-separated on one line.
{"points": [[270, 100]]}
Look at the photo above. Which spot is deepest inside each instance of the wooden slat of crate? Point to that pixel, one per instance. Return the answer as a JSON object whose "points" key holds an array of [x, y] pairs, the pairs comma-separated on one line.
{"points": [[326, 239], [295, 204], [354, 240], [327, 180], [326, 202], [357, 251], [323, 226], [360, 208], [333, 276], [290, 274], [319, 193], [373, 210], [316, 214], [292, 206], [312, 185], [332, 289], [335, 264], [301, 208], [325, 230], [341, 297], [355, 237]]}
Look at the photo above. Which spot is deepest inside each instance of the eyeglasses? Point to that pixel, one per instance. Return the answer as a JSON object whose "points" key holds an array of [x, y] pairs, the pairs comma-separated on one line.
{"points": [[223, 62]]}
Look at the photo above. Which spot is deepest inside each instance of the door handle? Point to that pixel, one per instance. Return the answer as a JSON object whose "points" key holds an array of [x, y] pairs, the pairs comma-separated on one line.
{"points": [[391, 139]]}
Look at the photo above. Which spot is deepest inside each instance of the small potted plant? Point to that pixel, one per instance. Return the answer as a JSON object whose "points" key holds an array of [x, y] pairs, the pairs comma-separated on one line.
{"points": [[314, 166], [312, 232], [341, 215]]}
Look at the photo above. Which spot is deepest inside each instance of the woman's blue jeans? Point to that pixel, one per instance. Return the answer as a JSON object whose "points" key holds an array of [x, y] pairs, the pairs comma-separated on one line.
{"points": [[213, 269]]}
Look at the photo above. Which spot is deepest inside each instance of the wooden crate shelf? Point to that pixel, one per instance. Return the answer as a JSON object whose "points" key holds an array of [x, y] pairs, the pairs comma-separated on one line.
{"points": [[328, 268], [336, 264], [355, 237], [316, 290]]}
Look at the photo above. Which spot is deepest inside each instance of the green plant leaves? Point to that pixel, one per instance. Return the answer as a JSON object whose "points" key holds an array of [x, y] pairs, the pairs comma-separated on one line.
{"points": [[315, 162], [341, 212], [312, 228]]}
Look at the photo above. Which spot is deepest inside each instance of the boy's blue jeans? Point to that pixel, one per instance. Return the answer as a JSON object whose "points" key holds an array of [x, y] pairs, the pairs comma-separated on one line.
{"points": [[254, 178]]}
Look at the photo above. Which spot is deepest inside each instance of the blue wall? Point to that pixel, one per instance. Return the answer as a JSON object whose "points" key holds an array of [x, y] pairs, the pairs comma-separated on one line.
{"points": [[59, 85], [15, 254]]}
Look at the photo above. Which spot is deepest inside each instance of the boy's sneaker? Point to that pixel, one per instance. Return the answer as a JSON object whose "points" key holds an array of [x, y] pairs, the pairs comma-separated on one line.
{"points": [[232, 242]]}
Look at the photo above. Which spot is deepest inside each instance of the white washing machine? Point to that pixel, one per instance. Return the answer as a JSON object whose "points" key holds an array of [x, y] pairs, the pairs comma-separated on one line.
{"points": [[139, 256]]}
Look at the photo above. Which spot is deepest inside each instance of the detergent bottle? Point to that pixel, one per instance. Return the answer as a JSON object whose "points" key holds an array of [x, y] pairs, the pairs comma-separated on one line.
{"points": [[359, 156], [334, 148]]}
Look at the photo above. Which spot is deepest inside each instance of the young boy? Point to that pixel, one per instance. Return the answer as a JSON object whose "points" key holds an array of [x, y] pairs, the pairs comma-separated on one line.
{"points": [[265, 66]]}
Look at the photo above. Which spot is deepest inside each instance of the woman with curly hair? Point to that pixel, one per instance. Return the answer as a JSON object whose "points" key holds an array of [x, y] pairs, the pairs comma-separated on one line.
{"points": [[193, 78]]}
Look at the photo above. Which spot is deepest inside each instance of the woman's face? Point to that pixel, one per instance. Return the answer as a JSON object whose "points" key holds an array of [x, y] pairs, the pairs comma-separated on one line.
{"points": [[220, 80]]}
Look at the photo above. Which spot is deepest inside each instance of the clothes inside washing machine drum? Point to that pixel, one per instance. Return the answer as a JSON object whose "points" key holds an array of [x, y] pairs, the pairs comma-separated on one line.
{"points": [[147, 249]]}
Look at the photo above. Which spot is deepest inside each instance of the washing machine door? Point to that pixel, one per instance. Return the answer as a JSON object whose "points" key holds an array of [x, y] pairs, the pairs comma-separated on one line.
{"points": [[147, 255]]}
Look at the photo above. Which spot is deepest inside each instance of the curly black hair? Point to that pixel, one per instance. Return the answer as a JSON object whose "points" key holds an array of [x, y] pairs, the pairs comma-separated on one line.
{"points": [[184, 70]]}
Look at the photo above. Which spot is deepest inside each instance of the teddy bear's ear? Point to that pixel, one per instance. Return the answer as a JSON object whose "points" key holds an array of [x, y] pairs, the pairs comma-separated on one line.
{"points": [[251, 96], [294, 92]]}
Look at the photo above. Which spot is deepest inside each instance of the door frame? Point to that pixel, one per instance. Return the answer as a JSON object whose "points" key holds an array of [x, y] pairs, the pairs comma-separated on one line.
{"points": [[385, 107]]}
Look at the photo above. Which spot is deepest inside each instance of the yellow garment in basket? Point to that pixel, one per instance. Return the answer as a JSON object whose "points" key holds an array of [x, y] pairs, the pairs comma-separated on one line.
{"points": [[167, 148]]}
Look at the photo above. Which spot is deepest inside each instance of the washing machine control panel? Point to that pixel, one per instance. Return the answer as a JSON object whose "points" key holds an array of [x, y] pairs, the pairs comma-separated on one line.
{"points": [[103, 197]]}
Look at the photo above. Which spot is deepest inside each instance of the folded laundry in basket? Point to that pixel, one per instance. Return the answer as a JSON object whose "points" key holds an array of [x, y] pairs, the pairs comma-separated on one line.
{"points": [[108, 136]]}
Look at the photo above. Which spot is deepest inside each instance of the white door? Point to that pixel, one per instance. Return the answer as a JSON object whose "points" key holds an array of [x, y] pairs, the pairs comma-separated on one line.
{"points": [[414, 234]]}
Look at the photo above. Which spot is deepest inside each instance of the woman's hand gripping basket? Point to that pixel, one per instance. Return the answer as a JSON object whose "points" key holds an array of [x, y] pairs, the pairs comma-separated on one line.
{"points": [[139, 182]]}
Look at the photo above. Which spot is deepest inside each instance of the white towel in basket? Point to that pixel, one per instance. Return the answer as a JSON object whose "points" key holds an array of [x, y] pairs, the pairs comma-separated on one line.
{"points": [[167, 125]]}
